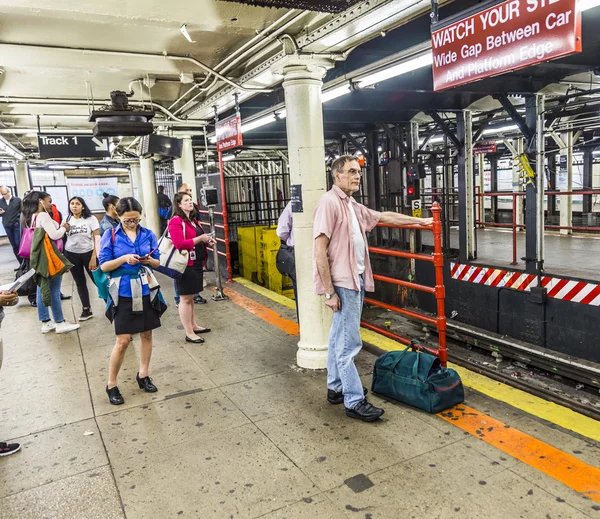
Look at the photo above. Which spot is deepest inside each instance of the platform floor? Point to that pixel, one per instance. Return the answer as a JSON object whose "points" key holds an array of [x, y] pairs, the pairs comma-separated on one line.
{"points": [[565, 255], [238, 430]]}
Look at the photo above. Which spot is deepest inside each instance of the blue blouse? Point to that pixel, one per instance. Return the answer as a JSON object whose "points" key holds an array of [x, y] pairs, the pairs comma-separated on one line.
{"points": [[145, 242]]}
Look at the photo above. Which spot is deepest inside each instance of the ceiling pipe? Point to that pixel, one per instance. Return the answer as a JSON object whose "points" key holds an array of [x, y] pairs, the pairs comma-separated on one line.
{"points": [[83, 102], [164, 55]]}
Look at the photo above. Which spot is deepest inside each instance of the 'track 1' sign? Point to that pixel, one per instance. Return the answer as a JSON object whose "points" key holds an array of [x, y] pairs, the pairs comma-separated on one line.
{"points": [[508, 36]]}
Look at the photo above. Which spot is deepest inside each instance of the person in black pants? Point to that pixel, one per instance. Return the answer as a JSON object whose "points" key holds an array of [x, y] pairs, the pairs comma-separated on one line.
{"points": [[80, 249], [10, 210]]}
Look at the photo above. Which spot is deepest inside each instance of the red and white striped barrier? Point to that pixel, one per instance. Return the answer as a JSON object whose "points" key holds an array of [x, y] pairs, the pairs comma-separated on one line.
{"points": [[558, 288]]}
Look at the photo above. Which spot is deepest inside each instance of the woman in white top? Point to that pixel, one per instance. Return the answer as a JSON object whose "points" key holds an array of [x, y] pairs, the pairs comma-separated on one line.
{"points": [[80, 249], [37, 206]]}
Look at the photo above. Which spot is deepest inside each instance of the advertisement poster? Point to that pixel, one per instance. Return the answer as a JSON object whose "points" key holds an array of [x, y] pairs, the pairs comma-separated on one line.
{"points": [[91, 190]]}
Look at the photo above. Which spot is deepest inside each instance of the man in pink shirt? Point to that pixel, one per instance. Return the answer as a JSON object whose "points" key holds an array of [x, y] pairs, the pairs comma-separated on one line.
{"points": [[342, 273]]}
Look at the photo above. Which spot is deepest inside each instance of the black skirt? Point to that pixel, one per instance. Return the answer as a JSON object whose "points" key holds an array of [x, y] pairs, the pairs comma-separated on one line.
{"points": [[192, 281], [127, 322]]}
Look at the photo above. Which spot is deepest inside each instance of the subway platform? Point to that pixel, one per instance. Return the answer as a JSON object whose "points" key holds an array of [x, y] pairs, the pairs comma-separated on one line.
{"points": [[238, 430]]}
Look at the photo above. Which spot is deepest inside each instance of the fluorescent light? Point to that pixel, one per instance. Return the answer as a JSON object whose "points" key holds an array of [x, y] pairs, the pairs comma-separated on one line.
{"points": [[213, 139], [123, 170], [282, 114], [227, 158], [500, 129], [10, 149], [397, 70], [185, 33], [334, 93], [584, 5], [267, 119], [56, 167]]}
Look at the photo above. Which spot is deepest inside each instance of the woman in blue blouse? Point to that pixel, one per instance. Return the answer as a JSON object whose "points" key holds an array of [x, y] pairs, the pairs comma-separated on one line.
{"points": [[127, 252]]}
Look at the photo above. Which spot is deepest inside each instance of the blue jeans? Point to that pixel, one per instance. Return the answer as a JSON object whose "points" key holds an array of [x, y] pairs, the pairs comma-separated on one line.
{"points": [[14, 237], [55, 304], [344, 345]]}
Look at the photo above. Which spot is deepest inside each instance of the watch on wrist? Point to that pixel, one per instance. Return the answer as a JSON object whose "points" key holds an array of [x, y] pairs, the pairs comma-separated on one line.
{"points": [[329, 296]]}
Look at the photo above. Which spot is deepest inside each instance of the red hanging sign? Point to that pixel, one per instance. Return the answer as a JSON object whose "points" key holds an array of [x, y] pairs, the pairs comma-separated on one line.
{"points": [[229, 133], [484, 147], [508, 36]]}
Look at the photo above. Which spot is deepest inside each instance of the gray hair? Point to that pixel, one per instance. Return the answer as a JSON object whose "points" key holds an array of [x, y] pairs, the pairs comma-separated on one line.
{"points": [[338, 164]]}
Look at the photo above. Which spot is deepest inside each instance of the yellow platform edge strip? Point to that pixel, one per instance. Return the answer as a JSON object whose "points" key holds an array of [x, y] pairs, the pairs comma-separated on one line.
{"points": [[531, 404]]}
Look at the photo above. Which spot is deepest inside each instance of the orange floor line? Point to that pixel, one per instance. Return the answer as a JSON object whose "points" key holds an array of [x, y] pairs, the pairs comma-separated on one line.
{"points": [[263, 312], [557, 464]]}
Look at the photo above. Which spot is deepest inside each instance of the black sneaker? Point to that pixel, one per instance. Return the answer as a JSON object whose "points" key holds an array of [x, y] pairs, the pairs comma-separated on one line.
{"points": [[64, 297], [199, 300], [365, 411], [85, 315], [337, 397], [6, 449]]}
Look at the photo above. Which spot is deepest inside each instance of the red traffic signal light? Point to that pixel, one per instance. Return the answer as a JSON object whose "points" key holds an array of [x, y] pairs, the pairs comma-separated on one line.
{"points": [[410, 190]]}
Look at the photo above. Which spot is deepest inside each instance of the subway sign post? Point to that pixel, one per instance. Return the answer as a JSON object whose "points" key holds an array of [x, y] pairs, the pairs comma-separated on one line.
{"points": [[506, 36]]}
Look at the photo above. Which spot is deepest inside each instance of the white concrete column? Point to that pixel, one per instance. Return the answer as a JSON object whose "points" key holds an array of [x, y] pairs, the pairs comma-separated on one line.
{"points": [[516, 183], [136, 185], [148, 188], [302, 85], [186, 166], [22, 178], [566, 201]]}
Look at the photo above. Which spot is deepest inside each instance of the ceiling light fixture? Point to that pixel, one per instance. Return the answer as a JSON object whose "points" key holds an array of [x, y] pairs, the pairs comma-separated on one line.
{"points": [[584, 5], [185, 32], [424, 60], [501, 129], [7, 147], [336, 92], [267, 119]]}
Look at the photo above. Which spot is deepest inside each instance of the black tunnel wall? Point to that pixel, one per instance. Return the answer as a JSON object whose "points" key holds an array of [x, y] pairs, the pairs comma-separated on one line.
{"points": [[570, 328]]}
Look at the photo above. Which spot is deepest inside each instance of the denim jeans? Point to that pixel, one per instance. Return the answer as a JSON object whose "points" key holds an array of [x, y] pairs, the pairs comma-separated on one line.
{"points": [[344, 345], [55, 304], [14, 237]]}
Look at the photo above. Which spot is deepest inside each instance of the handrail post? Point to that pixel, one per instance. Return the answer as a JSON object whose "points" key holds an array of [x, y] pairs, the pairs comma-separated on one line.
{"points": [[514, 229], [225, 220], [438, 262]]}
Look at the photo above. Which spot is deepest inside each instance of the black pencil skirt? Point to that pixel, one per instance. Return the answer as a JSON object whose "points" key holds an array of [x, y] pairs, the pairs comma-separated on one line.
{"points": [[192, 281], [128, 322]]}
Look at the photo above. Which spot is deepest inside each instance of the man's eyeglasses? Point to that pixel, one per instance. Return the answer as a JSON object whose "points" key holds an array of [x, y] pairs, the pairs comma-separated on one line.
{"points": [[132, 221], [353, 172]]}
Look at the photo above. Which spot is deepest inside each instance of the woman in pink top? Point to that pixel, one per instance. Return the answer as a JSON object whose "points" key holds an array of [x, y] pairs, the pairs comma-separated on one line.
{"points": [[187, 234]]}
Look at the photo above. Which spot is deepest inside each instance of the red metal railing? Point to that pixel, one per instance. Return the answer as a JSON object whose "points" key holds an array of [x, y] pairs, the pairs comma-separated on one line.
{"points": [[437, 258], [515, 227]]}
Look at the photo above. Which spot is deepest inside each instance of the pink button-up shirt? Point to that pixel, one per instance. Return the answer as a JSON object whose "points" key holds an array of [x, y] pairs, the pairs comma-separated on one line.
{"points": [[333, 219]]}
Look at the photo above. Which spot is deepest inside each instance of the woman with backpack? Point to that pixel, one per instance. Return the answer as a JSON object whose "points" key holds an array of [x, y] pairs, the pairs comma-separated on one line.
{"points": [[187, 234], [80, 249], [37, 208]]}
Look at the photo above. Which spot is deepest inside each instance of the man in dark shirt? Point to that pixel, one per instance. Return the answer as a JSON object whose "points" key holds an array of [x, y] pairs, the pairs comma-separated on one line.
{"points": [[10, 209], [164, 208]]}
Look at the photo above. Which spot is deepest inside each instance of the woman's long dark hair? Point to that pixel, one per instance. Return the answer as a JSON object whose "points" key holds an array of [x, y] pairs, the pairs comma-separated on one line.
{"points": [[128, 204], [108, 200], [31, 204], [177, 211], [85, 212]]}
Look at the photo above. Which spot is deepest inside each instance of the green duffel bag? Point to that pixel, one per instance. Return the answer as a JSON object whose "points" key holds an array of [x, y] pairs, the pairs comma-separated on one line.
{"points": [[417, 379]]}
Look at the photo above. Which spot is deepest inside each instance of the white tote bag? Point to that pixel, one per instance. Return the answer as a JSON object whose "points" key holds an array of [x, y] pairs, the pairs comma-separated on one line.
{"points": [[171, 257]]}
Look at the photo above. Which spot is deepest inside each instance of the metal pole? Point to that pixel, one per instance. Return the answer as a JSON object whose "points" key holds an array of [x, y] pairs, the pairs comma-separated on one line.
{"points": [[438, 262], [540, 184], [514, 229], [218, 295], [225, 220]]}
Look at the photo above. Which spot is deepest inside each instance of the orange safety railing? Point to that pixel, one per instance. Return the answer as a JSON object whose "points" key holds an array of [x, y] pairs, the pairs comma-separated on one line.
{"points": [[515, 226], [437, 258]]}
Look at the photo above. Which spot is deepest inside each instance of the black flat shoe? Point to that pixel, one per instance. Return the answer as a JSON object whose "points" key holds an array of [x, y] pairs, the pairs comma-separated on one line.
{"points": [[146, 384], [337, 397], [206, 330], [365, 411], [64, 297], [114, 396], [199, 340]]}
